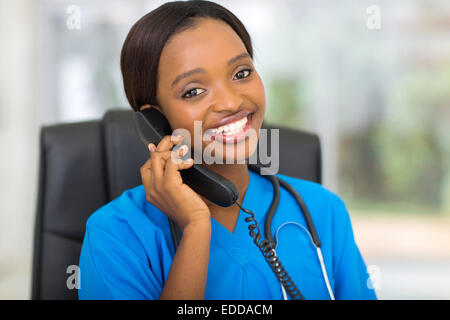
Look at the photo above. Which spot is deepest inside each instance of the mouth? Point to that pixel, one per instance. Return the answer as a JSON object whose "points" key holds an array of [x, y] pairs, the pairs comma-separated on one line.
{"points": [[232, 132]]}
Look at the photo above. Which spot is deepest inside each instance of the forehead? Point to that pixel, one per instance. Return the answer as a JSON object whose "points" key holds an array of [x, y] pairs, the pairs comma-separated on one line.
{"points": [[210, 43]]}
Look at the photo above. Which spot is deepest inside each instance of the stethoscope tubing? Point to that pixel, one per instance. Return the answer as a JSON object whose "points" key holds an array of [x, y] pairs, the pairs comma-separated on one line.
{"points": [[318, 253]]}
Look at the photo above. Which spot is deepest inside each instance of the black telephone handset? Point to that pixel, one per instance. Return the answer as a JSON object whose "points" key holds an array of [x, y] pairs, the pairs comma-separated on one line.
{"points": [[152, 126]]}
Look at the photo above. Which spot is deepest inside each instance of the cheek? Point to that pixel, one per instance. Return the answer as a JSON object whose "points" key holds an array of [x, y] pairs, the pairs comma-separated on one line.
{"points": [[184, 122], [185, 119], [262, 95], [258, 96]]}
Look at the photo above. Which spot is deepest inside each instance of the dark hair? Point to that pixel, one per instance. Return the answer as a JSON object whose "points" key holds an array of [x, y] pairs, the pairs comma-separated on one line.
{"points": [[142, 48]]}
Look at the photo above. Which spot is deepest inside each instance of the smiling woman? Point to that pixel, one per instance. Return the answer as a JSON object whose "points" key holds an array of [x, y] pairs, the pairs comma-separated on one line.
{"points": [[192, 82], [215, 89], [193, 61]]}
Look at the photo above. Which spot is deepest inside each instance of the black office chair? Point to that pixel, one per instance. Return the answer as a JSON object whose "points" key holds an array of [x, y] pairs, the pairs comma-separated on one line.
{"points": [[85, 165]]}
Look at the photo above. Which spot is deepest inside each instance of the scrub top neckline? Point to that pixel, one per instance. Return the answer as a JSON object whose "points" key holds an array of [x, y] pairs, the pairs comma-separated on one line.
{"points": [[237, 243]]}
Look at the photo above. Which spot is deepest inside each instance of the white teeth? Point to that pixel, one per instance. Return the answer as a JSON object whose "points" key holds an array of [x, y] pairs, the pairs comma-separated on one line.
{"points": [[232, 128]]}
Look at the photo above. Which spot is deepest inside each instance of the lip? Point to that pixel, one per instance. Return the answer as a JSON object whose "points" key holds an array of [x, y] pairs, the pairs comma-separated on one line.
{"points": [[237, 137], [230, 119]]}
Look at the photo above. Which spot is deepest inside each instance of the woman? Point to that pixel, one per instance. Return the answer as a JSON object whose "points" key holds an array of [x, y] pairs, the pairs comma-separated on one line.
{"points": [[128, 252]]}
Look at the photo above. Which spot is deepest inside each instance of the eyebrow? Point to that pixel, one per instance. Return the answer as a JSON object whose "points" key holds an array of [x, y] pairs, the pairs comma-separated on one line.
{"points": [[203, 71]]}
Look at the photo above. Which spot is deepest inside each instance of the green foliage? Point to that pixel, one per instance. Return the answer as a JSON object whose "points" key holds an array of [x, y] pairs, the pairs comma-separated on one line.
{"points": [[285, 103], [410, 144]]}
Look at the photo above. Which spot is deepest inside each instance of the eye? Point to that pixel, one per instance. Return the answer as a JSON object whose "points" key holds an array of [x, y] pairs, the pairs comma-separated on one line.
{"points": [[188, 94], [249, 72]]}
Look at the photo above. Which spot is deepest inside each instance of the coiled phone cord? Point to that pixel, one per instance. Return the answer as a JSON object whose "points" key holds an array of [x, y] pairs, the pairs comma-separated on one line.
{"points": [[267, 248]]}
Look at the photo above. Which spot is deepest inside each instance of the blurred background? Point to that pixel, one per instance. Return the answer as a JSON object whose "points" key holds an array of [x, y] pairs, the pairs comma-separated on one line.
{"points": [[371, 78]]}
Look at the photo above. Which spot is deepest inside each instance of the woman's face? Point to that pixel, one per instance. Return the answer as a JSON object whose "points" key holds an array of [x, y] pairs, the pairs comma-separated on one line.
{"points": [[227, 89]]}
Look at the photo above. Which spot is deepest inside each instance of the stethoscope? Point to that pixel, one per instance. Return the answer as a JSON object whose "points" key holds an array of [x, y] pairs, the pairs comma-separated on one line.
{"points": [[268, 246], [319, 257]]}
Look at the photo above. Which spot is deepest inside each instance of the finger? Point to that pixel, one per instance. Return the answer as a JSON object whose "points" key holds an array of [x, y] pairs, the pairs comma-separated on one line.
{"points": [[147, 164], [146, 173], [159, 159], [172, 169], [151, 148], [176, 156], [174, 164], [168, 142]]}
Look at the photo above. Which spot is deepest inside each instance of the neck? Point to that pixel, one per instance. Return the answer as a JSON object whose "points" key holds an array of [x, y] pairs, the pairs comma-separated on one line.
{"points": [[237, 174]]}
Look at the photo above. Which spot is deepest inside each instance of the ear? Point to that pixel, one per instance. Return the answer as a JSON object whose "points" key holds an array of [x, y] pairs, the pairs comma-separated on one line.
{"points": [[148, 106]]}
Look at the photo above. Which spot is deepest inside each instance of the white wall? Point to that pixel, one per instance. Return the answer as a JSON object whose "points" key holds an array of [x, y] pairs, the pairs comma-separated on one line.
{"points": [[18, 145]]}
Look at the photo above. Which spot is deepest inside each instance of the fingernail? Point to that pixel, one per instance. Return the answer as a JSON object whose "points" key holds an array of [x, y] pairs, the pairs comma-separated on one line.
{"points": [[151, 147], [183, 150]]}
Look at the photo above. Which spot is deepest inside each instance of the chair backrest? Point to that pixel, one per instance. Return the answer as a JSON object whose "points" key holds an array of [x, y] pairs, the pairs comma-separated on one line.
{"points": [[85, 165]]}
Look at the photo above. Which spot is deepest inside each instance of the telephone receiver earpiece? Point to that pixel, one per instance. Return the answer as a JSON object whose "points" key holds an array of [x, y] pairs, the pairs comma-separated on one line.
{"points": [[151, 126]]}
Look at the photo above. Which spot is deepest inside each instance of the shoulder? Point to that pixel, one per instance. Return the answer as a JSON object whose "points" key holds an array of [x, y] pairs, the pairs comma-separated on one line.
{"points": [[329, 215], [325, 206], [129, 219], [312, 190], [124, 254], [124, 208]]}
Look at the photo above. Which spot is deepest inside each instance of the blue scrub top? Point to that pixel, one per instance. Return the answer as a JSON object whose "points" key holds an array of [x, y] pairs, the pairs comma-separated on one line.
{"points": [[128, 250]]}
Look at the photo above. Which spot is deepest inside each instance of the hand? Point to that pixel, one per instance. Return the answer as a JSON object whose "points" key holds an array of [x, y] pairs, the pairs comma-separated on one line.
{"points": [[164, 185]]}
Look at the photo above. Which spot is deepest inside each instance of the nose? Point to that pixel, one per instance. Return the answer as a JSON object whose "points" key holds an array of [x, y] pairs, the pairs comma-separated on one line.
{"points": [[227, 99]]}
